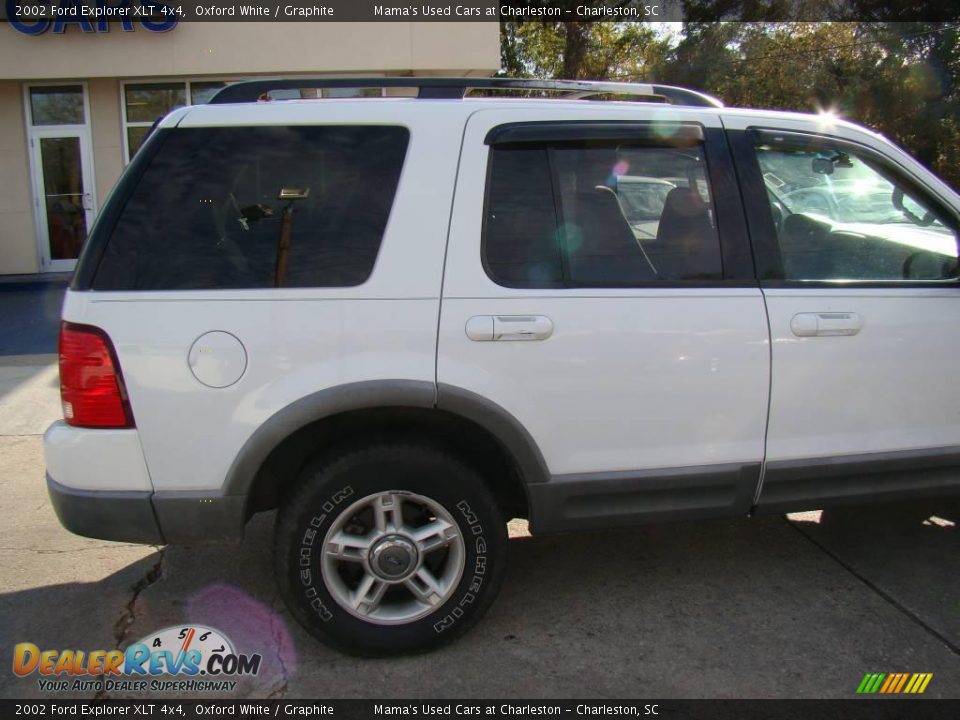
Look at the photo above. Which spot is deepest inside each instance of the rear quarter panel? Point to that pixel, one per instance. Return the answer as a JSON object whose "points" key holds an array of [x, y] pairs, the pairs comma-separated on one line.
{"points": [[297, 341]]}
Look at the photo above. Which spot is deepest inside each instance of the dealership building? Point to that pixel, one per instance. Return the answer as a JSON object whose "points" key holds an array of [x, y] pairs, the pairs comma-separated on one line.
{"points": [[77, 99]]}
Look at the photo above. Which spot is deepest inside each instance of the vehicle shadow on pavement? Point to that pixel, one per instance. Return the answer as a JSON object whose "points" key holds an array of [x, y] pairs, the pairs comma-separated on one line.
{"points": [[908, 551], [30, 316], [763, 607], [80, 616]]}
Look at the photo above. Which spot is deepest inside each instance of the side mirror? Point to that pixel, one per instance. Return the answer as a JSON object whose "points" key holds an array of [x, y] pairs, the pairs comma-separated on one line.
{"points": [[896, 199]]}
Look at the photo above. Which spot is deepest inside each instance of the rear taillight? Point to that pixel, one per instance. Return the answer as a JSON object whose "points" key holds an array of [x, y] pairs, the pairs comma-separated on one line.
{"points": [[91, 387]]}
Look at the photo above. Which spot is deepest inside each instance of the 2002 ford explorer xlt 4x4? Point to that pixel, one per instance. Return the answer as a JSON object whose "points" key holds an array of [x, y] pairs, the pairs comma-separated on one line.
{"points": [[401, 321]]}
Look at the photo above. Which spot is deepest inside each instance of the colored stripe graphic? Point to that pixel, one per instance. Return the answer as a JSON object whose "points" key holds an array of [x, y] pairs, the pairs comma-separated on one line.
{"points": [[919, 683], [870, 683], [891, 680], [894, 683]]}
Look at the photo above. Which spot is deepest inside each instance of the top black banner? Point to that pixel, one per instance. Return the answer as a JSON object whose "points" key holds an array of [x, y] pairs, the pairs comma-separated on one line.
{"points": [[166, 14]]}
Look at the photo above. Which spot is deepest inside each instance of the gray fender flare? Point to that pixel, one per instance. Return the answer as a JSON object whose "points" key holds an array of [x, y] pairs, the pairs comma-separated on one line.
{"points": [[317, 406], [382, 394], [511, 434], [218, 516]]}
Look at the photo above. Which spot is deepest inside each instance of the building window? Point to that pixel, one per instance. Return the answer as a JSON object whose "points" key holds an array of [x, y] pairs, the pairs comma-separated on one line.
{"points": [[144, 103], [202, 92], [57, 105], [317, 93]]}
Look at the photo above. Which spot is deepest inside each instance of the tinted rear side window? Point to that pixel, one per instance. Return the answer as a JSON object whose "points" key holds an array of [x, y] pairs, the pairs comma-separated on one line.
{"points": [[521, 230], [599, 214], [213, 207]]}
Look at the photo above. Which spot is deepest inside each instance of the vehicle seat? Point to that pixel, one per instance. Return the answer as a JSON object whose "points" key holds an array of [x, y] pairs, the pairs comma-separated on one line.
{"points": [[806, 248], [600, 244], [687, 246]]}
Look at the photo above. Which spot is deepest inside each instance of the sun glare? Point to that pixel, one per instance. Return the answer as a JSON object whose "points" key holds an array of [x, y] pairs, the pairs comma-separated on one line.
{"points": [[827, 116]]}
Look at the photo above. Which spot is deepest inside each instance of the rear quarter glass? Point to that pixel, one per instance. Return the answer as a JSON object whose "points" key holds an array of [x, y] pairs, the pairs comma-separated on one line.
{"points": [[207, 213]]}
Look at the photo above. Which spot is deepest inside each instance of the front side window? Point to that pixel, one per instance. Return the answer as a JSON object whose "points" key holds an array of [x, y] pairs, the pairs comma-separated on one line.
{"points": [[256, 207], [840, 215], [599, 214]]}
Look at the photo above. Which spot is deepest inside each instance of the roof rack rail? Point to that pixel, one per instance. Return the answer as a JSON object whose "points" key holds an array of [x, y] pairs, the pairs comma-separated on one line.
{"points": [[434, 88]]}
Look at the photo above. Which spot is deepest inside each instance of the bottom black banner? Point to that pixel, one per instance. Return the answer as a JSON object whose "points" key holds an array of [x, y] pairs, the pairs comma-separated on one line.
{"points": [[707, 709]]}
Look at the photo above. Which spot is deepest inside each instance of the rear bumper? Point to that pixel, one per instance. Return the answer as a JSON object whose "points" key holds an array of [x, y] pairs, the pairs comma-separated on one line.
{"points": [[149, 518], [99, 487], [106, 514]]}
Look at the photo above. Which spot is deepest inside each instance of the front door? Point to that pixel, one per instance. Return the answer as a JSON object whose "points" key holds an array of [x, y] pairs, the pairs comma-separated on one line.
{"points": [[63, 191], [862, 286], [592, 293]]}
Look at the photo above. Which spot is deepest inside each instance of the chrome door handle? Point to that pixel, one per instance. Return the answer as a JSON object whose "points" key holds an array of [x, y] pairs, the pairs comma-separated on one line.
{"points": [[484, 328], [826, 324]]}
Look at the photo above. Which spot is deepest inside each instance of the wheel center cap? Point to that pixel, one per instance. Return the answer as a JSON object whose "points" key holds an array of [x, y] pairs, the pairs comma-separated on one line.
{"points": [[393, 558]]}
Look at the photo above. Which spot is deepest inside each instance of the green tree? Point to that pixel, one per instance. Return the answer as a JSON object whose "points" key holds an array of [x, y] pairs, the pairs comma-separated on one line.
{"points": [[900, 79], [579, 50]]}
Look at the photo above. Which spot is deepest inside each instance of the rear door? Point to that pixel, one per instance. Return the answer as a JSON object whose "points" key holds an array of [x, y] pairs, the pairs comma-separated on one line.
{"points": [[599, 292], [858, 255]]}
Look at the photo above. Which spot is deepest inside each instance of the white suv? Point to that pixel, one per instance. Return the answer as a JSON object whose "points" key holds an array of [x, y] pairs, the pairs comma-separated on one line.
{"points": [[401, 321]]}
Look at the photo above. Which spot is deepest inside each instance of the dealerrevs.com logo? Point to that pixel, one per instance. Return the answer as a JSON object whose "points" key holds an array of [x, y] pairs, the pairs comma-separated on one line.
{"points": [[198, 658]]}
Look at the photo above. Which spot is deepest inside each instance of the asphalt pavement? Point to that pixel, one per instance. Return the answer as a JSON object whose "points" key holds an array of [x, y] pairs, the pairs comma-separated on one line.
{"points": [[30, 313], [765, 607]]}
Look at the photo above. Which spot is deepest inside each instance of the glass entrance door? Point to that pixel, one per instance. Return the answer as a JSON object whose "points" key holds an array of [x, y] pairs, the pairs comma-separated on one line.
{"points": [[64, 197]]}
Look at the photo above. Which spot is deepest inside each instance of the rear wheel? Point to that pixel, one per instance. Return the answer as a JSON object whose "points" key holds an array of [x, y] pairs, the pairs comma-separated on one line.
{"points": [[389, 549]]}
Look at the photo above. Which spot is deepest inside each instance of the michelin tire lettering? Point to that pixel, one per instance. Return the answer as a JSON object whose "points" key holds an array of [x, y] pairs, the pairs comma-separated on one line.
{"points": [[479, 568], [306, 553]]}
